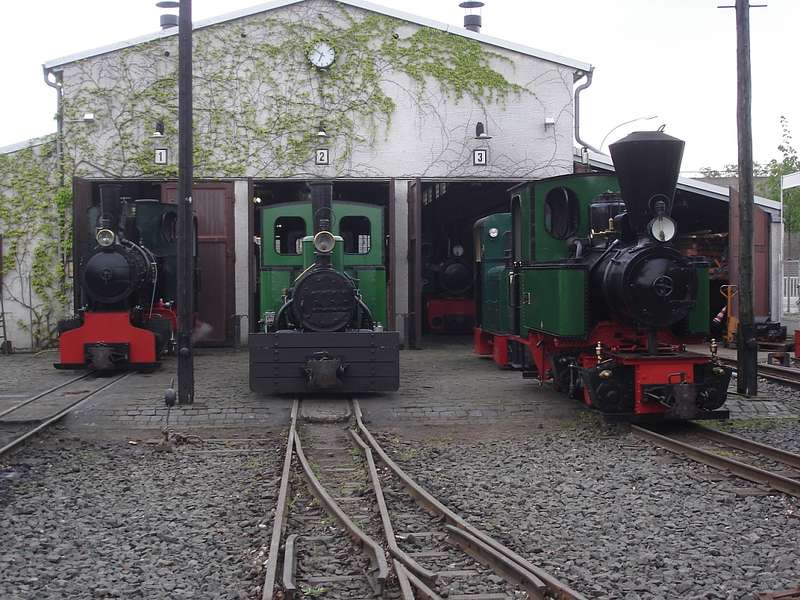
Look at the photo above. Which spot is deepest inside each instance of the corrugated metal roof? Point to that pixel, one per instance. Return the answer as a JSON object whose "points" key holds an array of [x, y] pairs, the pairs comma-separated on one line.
{"points": [[275, 4], [603, 161], [31, 143]]}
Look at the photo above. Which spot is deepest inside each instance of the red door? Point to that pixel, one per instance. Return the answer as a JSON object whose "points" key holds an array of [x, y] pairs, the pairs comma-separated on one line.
{"points": [[213, 208], [761, 255]]}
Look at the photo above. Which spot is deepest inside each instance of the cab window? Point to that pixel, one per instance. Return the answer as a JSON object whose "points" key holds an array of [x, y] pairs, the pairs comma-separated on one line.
{"points": [[289, 234], [561, 213], [355, 232]]}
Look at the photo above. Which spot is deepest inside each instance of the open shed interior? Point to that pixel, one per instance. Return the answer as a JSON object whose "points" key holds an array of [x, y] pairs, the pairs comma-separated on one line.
{"points": [[448, 212]]}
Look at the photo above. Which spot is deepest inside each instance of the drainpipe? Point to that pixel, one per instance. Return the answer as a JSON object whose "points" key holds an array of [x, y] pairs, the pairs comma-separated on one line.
{"points": [[578, 91], [56, 84]]}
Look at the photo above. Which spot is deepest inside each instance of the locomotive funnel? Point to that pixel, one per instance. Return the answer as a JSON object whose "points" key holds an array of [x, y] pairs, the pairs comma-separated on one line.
{"points": [[647, 165], [321, 196]]}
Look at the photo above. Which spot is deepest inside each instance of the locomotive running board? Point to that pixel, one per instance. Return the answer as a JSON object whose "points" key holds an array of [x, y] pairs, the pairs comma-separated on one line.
{"points": [[289, 362]]}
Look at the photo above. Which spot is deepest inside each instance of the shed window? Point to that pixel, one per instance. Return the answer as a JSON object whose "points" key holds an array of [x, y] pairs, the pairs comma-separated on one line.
{"points": [[356, 234], [561, 213], [289, 234]]}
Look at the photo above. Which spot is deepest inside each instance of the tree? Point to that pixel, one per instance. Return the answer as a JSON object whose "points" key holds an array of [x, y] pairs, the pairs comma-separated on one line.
{"points": [[789, 163]]}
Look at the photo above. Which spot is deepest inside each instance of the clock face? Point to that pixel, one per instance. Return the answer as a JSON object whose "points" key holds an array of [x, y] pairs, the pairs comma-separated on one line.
{"points": [[322, 55]]}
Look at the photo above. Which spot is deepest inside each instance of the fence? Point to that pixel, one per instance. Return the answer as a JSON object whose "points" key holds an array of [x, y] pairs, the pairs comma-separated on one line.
{"points": [[790, 301]]}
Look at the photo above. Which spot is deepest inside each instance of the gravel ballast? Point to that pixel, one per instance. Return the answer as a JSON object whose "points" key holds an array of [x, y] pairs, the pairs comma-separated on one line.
{"points": [[114, 520], [613, 516]]}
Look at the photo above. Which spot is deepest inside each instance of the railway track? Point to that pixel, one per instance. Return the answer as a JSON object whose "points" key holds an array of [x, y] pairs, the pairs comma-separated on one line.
{"points": [[783, 375], [350, 523], [25, 419], [750, 460]]}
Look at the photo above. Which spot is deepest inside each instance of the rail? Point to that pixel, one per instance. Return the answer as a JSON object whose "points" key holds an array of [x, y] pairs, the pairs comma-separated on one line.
{"points": [[47, 422], [741, 469], [450, 533]]}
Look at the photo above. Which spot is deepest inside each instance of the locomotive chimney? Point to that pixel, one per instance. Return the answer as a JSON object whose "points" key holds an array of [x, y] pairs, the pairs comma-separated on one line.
{"points": [[472, 20], [321, 195], [647, 164], [110, 206]]}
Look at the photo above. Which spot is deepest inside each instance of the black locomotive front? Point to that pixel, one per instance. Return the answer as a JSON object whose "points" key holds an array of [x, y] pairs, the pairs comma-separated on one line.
{"points": [[324, 336]]}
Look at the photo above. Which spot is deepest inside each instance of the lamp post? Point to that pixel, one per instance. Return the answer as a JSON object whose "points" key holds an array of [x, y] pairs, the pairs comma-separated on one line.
{"points": [[613, 129], [185, 229]]}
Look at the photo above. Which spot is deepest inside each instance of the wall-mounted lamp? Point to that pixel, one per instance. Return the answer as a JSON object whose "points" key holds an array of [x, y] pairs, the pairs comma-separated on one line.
{"points": [[549, 122], [159, 130], [480, 132], [168, 20], [86, 118], [321, 133], [256, 200]]}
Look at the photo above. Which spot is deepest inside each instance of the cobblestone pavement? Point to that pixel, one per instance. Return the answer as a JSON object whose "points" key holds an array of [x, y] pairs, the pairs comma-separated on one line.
{"points": [[443, 383]]}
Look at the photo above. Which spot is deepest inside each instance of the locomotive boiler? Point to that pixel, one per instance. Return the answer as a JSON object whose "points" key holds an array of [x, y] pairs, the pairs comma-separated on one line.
{"points": [[599, 300], [323, 297], [127, 281]]}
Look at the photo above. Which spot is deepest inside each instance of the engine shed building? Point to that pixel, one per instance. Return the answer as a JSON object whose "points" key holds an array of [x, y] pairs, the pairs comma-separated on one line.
{"points": [[430, 120]]}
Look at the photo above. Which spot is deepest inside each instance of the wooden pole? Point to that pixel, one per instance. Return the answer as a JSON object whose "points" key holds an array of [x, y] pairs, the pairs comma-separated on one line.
{"points": [[747, 347], [185, 231]]}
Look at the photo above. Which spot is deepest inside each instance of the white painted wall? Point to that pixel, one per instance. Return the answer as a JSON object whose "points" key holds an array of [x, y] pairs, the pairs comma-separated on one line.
{"points": [[430, 134], [242, 245]]}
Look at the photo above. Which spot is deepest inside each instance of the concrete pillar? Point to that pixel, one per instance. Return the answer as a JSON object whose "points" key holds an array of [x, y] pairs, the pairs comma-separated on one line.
{"points": [[400, 266], [242, 241]]}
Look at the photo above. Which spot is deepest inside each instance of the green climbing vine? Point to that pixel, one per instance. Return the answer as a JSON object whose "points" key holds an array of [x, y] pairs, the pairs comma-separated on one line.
{"points": [[37, 239], [258, 105], [257, 100]]}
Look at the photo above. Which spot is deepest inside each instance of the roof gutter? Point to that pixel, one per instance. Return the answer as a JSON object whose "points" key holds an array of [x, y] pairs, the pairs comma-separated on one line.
{"points": [[588, 74]]}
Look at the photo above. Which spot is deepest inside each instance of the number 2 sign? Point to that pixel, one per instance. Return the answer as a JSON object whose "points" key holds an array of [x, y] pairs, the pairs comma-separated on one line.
{"points": [[322, 156]]}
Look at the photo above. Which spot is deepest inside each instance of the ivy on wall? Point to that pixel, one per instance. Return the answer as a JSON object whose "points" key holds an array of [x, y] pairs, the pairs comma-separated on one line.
{"points": [[257, 101], [37, 239]]}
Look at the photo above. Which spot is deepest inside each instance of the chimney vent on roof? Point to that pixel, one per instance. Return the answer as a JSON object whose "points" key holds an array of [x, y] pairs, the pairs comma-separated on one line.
{"points": [[472, 19], [168, 21]]}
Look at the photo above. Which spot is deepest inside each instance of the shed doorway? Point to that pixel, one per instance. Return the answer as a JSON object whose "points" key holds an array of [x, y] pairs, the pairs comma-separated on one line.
{"points": [[442, 255]]}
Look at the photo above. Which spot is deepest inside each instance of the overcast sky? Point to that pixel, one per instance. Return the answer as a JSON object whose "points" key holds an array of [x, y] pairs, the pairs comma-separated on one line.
{"points": [[671, 58]]}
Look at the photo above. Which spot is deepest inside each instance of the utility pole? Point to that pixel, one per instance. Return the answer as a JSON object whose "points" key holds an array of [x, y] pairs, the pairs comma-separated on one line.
{"points": [[185, 231], [746, 344]]}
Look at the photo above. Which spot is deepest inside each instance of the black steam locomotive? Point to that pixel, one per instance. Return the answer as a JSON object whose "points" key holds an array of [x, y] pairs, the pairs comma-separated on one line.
{"points": [[322, 330], [126, 316], [595, 296]]}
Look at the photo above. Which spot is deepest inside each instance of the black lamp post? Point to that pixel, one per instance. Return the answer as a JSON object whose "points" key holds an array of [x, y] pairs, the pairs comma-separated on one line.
{"points": [[185, 233]]}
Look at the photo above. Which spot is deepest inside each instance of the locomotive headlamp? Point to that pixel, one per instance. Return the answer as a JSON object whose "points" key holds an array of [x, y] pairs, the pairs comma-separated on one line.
{"points": [[458, 250], [494, 232], [324, 242], [662, 229], [105, 237]]}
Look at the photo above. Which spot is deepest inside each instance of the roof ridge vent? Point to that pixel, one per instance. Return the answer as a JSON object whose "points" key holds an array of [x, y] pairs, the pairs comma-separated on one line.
{"points": [[472, 19]]}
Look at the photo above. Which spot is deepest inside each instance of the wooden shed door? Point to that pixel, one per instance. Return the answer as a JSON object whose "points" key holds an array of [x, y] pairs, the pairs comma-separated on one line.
{"points": [[213, 207], [761, 255], [414, 323]]}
